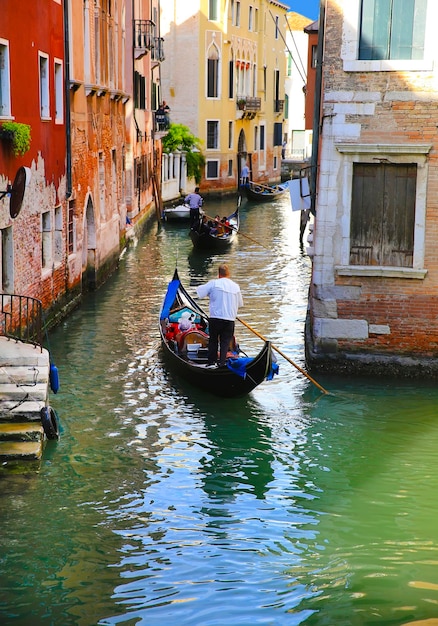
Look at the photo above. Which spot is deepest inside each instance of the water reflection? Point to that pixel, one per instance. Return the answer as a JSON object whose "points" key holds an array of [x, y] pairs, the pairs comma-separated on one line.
{"points": [[162, 505]]}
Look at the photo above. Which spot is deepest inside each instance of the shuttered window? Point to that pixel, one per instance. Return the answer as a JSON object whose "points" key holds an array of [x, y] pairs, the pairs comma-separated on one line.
{"points": [[392, 29], [383, 214]]}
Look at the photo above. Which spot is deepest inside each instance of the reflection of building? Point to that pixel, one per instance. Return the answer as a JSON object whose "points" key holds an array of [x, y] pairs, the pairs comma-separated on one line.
{"points": [[298, 137], [32, 64], [223, 77], [375, 272]]}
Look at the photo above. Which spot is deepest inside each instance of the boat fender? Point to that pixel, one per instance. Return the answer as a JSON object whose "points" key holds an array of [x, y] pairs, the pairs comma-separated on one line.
{"points": [[49, 421], [54, 378]]}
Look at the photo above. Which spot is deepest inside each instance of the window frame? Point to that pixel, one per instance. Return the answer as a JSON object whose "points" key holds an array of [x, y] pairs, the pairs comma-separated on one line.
{"points": [[44, 79], [350, 44], [58, 81], [395, 153], [213, 10], [5, 79], [212, 131], [207, 163], [213, 75]]}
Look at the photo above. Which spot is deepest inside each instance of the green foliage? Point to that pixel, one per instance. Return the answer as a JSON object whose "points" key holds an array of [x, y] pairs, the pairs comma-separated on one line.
{"points": [[19, 134], [179, 137]]}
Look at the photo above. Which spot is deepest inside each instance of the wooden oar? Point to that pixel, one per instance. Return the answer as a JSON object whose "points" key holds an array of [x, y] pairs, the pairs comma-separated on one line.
{"points": [[284, 356], [240, 233], [263, 186]]}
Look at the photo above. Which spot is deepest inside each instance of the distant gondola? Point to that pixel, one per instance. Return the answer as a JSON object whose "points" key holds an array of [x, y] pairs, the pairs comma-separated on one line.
{"points": [[179, 212], [186, 350], [263, 193], [211, 240]]}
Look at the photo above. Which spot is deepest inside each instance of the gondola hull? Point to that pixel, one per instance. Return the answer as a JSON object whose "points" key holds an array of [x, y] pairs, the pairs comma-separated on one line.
{"points": [[264, 193], [179, 212], [209, 241], [186, 355]]}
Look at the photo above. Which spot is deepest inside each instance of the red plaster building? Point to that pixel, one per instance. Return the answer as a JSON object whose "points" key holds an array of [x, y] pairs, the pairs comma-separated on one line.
{"points": [[33, 257], [374, 290]]}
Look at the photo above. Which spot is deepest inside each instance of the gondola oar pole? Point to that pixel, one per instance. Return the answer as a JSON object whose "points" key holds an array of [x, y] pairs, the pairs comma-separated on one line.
{"points": [[284, 356], [240, 233]]}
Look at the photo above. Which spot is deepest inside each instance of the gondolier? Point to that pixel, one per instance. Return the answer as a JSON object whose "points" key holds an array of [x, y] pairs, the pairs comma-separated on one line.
{"points": [[194, 200], [225, 300]]}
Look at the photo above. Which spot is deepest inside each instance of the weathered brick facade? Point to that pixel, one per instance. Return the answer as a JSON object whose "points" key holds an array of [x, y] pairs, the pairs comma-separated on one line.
{"points": [[374, 316], [94, 154]]}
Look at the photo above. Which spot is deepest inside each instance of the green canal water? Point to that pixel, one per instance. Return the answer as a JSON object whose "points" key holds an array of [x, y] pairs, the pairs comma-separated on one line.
{"points": [[162, 505]]}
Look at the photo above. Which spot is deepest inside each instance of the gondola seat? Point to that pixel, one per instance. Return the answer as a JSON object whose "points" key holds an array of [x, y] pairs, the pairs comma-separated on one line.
{"points": [[191, 337]]}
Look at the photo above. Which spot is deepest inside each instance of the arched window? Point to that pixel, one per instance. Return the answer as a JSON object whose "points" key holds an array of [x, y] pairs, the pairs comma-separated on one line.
{"points": [[213, 72]]}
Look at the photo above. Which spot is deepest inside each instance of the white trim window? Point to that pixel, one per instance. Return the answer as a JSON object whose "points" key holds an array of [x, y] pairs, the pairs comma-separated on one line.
{"points": [[46, 240], [398, 248], [389, 35], [5, 80], [44, 85], [213, 72], [212, 135], [59, 91], [212, 169]]}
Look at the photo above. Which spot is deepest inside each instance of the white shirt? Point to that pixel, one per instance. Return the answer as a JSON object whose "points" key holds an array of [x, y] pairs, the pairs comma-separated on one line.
{"points": [[225, 297]]}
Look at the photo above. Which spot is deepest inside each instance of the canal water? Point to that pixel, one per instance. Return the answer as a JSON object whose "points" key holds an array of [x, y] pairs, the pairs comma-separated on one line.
{"points": [[162, 505]]}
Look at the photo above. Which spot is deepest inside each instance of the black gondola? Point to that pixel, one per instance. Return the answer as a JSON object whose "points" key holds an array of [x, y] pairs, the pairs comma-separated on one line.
{"points": [[263, 193], [209, 240], [186, 350]]}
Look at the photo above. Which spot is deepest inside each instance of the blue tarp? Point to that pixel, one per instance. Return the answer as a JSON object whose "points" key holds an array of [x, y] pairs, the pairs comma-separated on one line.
{"points": [[172, 290], [238, 366]]}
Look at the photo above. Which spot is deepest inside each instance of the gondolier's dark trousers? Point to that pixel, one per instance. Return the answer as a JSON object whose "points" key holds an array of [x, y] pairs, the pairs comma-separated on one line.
{"points": [[221, 332], [194, 217]]}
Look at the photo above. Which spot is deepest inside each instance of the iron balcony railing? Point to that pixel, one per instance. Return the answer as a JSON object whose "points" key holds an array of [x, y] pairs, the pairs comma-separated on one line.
{"points": [[247, 103], [158, 49], [144, 35], [278, 106], [21, 318]]}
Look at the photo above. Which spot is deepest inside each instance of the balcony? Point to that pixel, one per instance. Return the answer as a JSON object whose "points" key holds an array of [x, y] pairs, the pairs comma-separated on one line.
{"points": [[278, 106], [161, 122], [144, 31], [250, 106], [158, 49]]}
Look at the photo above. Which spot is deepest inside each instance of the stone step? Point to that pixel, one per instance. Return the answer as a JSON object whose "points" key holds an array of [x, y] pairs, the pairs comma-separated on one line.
{"points": [[20, 374], [19, 431], [33, 392], [28, 411], [21, 450], [18, 353]]}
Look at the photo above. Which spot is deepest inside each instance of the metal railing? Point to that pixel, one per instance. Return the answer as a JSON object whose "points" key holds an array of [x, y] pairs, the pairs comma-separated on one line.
{"points": [[158, 49], [248, 103], [21, 318], [278, 106], [144, 31]]}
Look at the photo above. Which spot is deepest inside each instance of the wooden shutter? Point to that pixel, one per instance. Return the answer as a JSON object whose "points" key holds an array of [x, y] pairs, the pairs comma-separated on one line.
{"points": [[383, 214]]}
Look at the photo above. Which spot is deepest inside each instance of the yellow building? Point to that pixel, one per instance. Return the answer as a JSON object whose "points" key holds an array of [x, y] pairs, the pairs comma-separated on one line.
{"points": [[223, 77]]}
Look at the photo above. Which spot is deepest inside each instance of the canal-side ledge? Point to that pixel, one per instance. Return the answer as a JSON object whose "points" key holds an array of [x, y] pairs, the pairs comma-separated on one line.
{"points": [[24, 391]]}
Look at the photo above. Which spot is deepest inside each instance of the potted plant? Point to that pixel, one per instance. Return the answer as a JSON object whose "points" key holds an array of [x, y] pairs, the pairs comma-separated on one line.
{"points": [[241, 104], [18, 135]]}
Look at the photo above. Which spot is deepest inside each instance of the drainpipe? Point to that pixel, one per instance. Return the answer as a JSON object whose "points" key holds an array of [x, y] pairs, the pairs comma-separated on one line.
{"points": [[317, 106], [68, 192]]}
